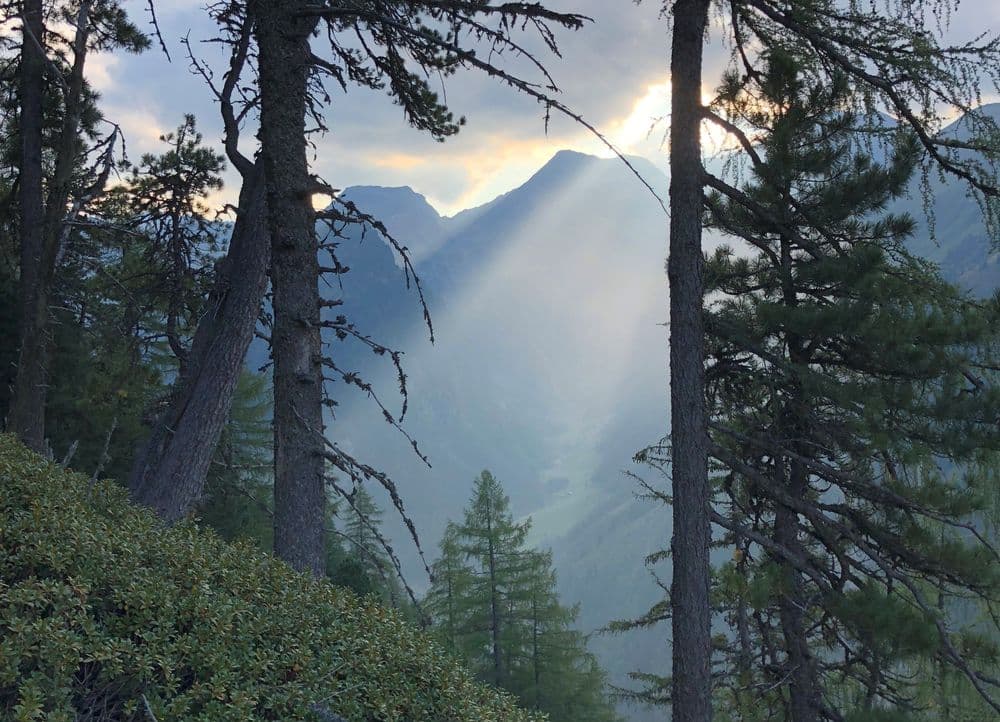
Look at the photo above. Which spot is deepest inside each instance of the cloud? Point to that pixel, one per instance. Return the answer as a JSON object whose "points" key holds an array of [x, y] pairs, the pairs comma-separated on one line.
{"points": [[613, 71]]}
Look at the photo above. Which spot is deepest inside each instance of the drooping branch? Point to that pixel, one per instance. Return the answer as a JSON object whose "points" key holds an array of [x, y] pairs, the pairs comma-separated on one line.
{"points": [[828, 47]]}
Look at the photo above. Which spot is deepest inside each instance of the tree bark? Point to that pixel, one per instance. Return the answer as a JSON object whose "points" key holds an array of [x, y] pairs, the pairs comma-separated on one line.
{"points": [[689, 593], [26, 416], [169, 471], [282, 29], [41, 248]]}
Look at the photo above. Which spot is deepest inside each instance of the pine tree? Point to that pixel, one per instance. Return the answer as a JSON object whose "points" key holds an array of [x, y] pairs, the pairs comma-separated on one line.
{"points": [[852, 416], [166, 196], [49, 185], [133, 277], [494, 604], [401, 45], [896, 59]]}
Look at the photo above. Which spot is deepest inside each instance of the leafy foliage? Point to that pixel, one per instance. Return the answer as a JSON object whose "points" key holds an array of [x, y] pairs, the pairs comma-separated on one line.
{"points": [[104, 610]]}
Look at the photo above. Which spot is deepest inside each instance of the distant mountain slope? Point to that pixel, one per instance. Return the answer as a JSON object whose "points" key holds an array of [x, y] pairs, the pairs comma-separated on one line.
{"points": [[549, 366]]}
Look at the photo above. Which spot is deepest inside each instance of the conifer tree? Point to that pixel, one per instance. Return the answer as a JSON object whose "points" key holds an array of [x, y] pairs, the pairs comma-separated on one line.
{"points": [[493, 542], [54, 182], [853, 420], [401, 45], [447, 600], [132, 277], [166, 196], [494, 604], [896, 60]]}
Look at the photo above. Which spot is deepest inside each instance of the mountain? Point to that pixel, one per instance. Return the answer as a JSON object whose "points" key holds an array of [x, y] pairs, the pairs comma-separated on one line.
{"points": [[951, 228], [548, 366], [533, 297]]}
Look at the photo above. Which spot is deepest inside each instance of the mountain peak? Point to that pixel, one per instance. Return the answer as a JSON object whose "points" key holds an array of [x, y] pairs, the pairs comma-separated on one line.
{"points": [[568, 165], [406, 214], [388, 196]]}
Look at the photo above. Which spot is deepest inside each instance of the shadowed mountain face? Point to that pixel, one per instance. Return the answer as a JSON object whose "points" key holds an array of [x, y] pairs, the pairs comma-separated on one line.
{"points": [[548, 367], [548, 361]]}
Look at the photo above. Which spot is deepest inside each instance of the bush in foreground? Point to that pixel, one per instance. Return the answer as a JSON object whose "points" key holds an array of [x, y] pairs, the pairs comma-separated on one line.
{"points": [[103, 611]]}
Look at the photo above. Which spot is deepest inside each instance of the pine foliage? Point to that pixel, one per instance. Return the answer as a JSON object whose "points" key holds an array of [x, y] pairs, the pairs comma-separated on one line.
{"points": [[853, 419], [494, 605]]}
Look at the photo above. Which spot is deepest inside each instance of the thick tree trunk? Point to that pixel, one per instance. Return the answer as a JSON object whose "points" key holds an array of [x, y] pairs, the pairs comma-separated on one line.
{"points": [[169, 471], [40, 253], [282, 29], [799, 664], [691, 620], [26, 416]]}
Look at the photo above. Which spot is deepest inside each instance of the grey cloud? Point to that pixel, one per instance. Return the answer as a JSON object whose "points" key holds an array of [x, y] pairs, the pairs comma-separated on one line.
{"points": [[605, 67]]}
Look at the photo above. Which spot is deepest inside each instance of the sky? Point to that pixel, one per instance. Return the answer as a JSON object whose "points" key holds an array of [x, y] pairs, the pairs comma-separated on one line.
{"points": [[613, 72]]}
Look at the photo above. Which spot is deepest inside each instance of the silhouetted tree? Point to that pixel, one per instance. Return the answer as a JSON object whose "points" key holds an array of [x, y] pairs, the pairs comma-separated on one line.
{"points": [[895, 62], [51, 193]]}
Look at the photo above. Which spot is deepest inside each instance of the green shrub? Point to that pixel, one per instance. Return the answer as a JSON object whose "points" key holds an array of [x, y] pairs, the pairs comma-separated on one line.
{"points": [[103, 610]]}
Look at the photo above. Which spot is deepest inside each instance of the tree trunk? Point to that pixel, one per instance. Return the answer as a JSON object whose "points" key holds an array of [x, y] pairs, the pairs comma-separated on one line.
{"points": [[169, 471], [799, 665], [282, 29], [40, 252], [26, 416], [803, 686], [494, 603], [689, 594], [534, 648], [744, 658]]}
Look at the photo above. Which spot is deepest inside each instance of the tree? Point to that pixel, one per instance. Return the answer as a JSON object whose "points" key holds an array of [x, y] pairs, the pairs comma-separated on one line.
{"points": [[289, 83], [166, 195], [399, 50], [893, 62], [852, 414], [132, 278], [846, 390], [493, 602], [447, 599], [494, 542], [169, 471], [689, 591], [49, 196], [282, 31], [138, 269]]}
